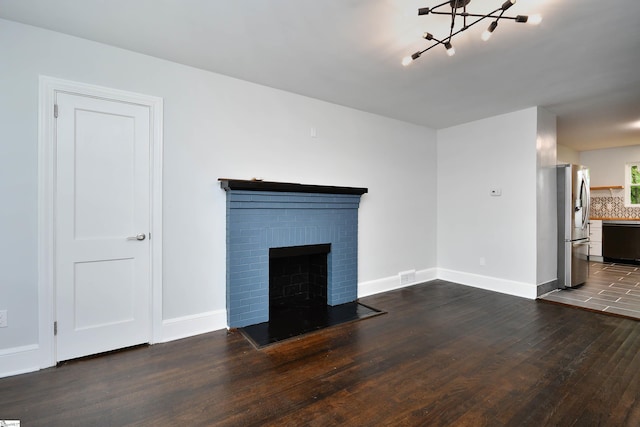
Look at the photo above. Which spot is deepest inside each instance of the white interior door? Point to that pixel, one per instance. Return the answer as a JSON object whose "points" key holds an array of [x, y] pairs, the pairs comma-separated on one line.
{"points": [[102, 223]]}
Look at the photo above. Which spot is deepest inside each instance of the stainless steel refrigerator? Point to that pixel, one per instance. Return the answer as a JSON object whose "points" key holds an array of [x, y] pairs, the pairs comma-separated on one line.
{"points": [[573, 225]]}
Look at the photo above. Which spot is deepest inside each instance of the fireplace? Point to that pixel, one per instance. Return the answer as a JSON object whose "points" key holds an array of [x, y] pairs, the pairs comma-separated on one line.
{"points": [[297, 277], [268, 222]]}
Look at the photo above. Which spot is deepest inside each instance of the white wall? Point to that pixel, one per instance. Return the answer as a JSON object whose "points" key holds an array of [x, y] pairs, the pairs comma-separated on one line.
{"points": [[568, 155], [607, 166], [547, 201], [473, 158], [215, 126]]}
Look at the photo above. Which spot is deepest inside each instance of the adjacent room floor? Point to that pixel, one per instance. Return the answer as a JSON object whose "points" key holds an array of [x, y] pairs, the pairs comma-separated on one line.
{"points": [[611, 288]]}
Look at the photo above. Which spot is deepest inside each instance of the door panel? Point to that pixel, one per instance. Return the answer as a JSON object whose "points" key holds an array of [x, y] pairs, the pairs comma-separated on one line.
{"points": [[102, 200], [103, 207], [104, 292]]}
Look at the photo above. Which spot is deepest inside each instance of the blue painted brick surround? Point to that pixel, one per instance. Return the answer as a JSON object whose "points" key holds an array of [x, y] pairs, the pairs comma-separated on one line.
{"points": [[259, 220]]}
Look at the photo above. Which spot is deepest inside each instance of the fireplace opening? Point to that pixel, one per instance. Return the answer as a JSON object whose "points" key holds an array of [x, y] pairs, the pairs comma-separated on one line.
{"points": [[298, 287], [298, 278]]}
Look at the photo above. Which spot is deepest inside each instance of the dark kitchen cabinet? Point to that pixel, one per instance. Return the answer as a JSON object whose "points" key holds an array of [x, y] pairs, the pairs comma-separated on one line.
{"points": [[621, 241]]}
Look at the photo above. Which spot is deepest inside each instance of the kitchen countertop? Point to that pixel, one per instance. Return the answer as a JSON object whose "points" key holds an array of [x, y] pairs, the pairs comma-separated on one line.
{"points": [[615, 219]]}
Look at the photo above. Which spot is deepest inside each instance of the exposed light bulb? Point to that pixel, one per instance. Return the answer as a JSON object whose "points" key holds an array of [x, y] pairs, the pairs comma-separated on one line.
{"points": [[534, 19], [450, 50], [409, 59], [507, 4], [487, 33]]}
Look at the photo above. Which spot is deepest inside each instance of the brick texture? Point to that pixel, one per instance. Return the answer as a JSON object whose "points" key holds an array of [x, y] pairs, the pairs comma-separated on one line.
{"points": [[257, 221]]}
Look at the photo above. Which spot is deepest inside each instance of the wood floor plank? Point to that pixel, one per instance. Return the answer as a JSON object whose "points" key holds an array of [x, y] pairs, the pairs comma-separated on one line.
{"points": [[444, 354]]}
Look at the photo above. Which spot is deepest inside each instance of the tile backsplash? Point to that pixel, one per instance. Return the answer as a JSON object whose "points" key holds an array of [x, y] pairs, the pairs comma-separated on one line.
{"points": [[612, 207]]}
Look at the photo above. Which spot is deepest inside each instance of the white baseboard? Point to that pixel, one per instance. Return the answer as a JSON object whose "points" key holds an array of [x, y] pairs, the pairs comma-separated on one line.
{"points": [[19, 360], [393, 282], [510, 287], [187, 326]]}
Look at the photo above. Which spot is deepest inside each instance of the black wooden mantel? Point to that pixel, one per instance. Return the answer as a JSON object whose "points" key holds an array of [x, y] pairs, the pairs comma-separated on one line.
{"points": [[255, 185]]}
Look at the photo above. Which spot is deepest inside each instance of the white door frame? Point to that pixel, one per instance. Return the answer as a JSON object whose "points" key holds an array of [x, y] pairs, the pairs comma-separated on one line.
{"points": [[48, 86]]}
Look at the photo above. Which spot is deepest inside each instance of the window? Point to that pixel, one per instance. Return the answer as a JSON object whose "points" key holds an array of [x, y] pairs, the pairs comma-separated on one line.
{"points": [[632, 185]]}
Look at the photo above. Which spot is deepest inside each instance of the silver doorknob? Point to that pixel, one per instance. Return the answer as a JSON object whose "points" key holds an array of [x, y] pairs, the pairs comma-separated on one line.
{"points": [[140, 236]]}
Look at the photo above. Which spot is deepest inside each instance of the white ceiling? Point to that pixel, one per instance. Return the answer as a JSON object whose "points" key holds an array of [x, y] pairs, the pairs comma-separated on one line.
{"points": [[582, 62]]}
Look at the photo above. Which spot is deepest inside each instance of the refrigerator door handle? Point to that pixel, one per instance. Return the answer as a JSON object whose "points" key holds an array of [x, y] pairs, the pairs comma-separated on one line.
{"points": [[584, 201], [588, 200]]}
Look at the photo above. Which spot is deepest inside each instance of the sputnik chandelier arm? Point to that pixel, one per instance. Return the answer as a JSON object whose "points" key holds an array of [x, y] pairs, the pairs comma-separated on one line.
{"points": [[459, 9]]}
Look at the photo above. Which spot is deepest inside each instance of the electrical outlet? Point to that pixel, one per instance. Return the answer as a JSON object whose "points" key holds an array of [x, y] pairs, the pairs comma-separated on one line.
{"points": [[3, 318]]}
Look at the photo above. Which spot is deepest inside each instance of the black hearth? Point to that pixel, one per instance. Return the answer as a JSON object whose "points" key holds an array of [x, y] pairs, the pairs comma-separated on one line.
{"points": [[296, 321]]}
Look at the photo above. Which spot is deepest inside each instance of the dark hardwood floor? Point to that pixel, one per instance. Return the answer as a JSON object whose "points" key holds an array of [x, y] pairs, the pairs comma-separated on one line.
{"points": [[444, 354]]}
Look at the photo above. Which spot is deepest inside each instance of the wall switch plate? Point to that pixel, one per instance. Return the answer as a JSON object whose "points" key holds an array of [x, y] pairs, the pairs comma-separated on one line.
{"points": [[496, 192], [3, 318], [483, 261]]}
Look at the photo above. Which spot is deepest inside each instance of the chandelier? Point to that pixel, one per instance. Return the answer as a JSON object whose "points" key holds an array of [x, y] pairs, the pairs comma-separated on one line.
{"points": [[459, 12]]}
